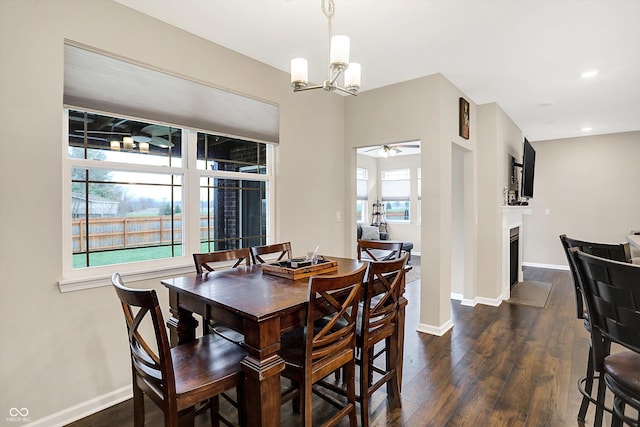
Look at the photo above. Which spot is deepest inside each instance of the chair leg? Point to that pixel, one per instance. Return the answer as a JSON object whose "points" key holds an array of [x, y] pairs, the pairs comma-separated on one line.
{"points": [[242, 416], [588, 387], [393, 384], [365, 381], [138, 405], [185, 418], [616, 421], [297, 402], [370, 374], [602, 388], [350, 377], [214, 409], [307, 399]]}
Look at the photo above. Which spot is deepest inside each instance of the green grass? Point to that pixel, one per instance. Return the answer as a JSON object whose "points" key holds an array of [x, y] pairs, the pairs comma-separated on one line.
{"points": [[125, 255]]}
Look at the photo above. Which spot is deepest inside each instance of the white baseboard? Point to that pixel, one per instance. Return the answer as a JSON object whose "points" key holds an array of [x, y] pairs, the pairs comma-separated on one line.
{"points": [[494, 302], [549, 266], [435, 330], [463, 300], [468, 302], [85, 409]]}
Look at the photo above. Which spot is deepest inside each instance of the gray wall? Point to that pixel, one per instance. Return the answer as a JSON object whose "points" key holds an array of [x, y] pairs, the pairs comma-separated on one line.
{"points": [[589, 186]]}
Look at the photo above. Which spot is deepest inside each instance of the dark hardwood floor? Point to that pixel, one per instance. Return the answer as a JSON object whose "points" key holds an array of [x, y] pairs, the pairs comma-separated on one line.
{"points": [[511, 365]]}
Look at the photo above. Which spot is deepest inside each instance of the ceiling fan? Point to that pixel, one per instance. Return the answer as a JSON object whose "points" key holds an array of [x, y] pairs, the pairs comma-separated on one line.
{"points": [[390, 150], [152, 134]]}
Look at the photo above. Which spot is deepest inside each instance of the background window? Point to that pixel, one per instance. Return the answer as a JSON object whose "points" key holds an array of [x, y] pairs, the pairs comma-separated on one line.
{"points": [[419, 207], [395, 188], [362, 185]]}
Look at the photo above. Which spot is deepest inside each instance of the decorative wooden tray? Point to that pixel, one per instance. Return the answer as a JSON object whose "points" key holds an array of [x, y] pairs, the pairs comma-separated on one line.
{"points": [[281, 269]]}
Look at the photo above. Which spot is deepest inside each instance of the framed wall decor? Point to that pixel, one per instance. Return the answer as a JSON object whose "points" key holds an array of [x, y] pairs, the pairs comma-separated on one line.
{"points": [[464, 118]]}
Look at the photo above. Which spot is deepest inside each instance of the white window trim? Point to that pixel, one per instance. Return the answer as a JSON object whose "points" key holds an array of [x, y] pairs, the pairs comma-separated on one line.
{"points": [[93, 277]]}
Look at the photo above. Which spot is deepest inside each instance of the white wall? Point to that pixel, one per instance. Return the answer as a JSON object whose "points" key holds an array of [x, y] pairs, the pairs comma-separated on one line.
{"points": [[457, 221], [61, 350], [424, 109], [590, 187], [499, 138]]}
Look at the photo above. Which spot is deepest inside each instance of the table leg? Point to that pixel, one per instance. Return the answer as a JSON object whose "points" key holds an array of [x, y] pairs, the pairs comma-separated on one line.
{"points": [[182, 325], [261, 370]]}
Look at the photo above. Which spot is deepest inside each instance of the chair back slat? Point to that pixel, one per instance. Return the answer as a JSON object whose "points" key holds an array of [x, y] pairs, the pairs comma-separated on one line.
{"points": [[614, 251], [202, 261], [154, 366], [380, 312], [612, 293], [340, 293], [282, 250], [379, 250]]}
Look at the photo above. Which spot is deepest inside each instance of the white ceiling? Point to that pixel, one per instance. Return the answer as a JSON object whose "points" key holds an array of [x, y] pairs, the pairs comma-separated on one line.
{"points": [[526, 55]]}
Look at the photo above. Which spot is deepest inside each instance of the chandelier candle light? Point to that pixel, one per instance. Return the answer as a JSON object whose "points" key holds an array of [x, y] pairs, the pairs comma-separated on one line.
{"points": [[338, 63]]}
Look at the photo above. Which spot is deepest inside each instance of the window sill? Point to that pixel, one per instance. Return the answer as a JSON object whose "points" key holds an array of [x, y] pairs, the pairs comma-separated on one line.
{"points": [[71, 285]]}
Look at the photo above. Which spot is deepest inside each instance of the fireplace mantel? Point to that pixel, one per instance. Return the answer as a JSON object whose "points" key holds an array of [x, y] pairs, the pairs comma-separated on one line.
{"points": [[511, 218]]}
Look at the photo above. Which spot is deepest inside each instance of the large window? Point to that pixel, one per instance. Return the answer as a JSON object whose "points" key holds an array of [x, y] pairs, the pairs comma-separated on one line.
{"points": [[123, 208], [130, 188], [233, 212], [362, 184], [395, 188]]}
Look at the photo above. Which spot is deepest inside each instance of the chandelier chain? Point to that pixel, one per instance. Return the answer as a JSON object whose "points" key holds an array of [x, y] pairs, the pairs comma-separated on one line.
{"points": [[328, 8]]}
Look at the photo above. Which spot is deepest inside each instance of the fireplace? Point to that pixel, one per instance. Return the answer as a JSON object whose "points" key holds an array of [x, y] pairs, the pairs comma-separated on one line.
{"points": [[514, 255], [512, 247]]}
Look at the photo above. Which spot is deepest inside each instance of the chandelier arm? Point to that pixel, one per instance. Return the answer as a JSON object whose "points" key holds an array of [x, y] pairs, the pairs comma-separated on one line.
{"points": [[332, 79], [347, 91], [301, 89]]}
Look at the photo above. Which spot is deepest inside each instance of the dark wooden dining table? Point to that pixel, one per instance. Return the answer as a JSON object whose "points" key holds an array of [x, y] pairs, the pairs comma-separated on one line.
{"points": [[262, 307]]}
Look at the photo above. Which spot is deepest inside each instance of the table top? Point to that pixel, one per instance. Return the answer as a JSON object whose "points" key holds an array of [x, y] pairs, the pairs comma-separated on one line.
{"points": [[248, 292]]}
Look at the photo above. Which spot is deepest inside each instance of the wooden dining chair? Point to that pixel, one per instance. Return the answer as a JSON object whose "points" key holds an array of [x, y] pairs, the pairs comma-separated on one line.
{"points": [[313, 352], [611, 291], [205, 263], [379, 324], [281, 250], [182, 380], [379, 250], [614, 251]]}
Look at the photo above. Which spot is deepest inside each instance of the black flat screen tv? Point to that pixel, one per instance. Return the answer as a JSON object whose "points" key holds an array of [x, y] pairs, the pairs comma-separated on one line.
{"points": [[528, 169]]}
